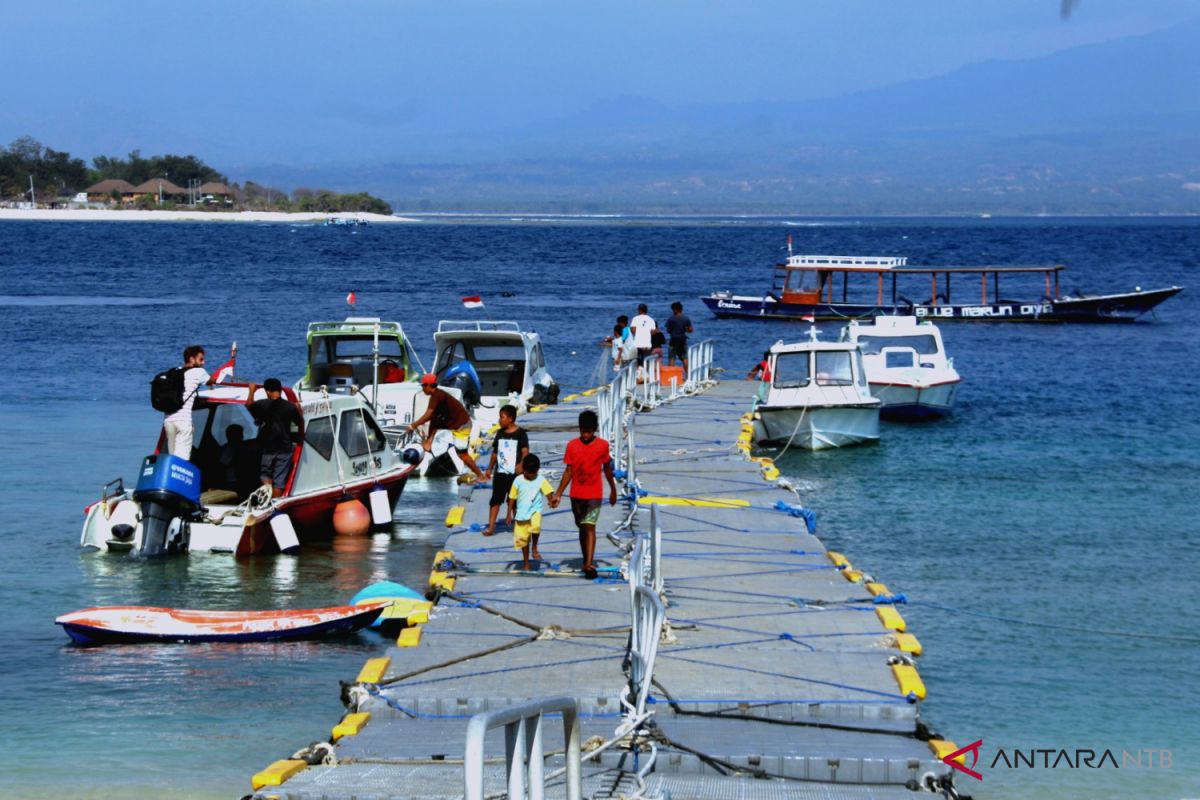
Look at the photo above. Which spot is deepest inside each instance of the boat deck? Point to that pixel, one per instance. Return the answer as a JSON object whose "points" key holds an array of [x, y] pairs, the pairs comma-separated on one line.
{"points": [[779, 673]]}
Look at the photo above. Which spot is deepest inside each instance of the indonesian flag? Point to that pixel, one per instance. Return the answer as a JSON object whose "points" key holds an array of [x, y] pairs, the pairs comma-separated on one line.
{"points": [[226, 370], [351, 298], [474, 301], [809, 318]]}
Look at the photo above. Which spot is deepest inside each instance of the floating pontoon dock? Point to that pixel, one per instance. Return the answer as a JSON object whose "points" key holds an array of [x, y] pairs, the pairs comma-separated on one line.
{"points": [[722, 653]]}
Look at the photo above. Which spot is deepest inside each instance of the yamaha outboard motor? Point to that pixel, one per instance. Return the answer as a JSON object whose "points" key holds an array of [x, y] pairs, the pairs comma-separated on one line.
{"points": [[462, 376], [168, 492]]}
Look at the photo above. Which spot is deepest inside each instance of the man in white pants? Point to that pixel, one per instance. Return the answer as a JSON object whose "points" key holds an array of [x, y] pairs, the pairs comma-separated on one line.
{"points": [[178, 425]]}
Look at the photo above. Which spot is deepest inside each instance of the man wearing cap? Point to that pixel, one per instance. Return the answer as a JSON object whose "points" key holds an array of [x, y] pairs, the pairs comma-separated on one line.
{"points": [[279, 425], [445, 413]]}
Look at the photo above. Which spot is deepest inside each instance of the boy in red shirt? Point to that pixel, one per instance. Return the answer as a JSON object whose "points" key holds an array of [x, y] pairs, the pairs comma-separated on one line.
{"points": [[586, 460]]}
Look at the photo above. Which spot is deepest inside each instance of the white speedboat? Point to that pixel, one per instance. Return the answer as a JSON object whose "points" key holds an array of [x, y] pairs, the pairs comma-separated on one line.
{"points": [[492, 363], [211, 502], [817, 397], [907, 366]]}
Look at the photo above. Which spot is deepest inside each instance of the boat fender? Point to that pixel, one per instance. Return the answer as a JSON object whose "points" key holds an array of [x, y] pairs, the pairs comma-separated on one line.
{"points": [[285, 534], [381, 506], [351, 518], [412, 455]]}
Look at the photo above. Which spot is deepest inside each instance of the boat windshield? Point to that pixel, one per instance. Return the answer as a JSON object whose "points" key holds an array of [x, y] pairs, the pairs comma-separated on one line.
{"points": [[791, 371], [833, 368], [925, 344]]}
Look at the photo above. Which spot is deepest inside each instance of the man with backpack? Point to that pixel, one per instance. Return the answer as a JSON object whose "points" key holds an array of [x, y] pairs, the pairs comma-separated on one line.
{"points": [[182, 388]]}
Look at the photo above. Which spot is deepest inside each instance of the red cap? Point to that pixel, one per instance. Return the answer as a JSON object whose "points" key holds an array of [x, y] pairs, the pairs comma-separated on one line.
{"points": [[429, 379]]}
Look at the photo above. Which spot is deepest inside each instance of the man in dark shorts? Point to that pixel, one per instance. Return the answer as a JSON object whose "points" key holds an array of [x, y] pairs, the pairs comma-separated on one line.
{"points": [[279, 425], [587, 459], [678, 327], [509, 449], [445, 413]]}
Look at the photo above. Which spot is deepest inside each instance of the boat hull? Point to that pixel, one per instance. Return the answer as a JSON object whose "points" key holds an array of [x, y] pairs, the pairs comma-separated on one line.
{"points": [[133, 624], [914, 401], [1125, 307], [818, 428]]}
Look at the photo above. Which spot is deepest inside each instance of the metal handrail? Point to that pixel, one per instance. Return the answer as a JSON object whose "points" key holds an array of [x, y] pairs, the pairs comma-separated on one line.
{"points": [[656, 575], [523, 751], [648, 615]]}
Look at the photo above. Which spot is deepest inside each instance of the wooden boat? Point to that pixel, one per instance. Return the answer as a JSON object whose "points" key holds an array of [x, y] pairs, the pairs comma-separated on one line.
{"points": [[117, 624], [809, 287]]}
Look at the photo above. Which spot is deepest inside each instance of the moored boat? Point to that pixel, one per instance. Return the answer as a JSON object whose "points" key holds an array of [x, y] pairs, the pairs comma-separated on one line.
{"points": [[817, 397], [212, 502], [907, 367], [132, 624], [859, 287]]}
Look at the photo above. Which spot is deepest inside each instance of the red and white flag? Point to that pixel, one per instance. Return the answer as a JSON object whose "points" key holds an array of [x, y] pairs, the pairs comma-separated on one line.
{"points": [[351, 298], [809, 318], [226, 370], [474, 301]]}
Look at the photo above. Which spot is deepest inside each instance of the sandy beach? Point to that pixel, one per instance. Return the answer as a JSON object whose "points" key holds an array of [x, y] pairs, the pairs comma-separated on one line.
{"points": [[97, 215]]}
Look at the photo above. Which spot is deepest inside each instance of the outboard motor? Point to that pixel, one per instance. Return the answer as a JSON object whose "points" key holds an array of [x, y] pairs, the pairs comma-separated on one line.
{"points": [[168, 492], [546, 395], [462, 376]]}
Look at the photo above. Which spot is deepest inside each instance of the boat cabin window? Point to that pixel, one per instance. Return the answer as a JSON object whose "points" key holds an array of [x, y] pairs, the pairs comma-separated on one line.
{"points": [[833, 368], [359, 434], [791, 371], [925, 344], [899, 358], [804, 280], [318, 434], [345, 349], [354, 353], [539, 360]]}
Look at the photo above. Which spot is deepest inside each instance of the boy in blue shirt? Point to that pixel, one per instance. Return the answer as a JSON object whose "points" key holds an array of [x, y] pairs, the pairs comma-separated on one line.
{"points": [[525, 503]]}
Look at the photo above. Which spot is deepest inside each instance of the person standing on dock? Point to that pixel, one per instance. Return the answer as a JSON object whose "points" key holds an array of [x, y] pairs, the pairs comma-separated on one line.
{"points": [[525, 506], [678, 327], [509, 449], [445, 413], [643, 328], [587, 459]]}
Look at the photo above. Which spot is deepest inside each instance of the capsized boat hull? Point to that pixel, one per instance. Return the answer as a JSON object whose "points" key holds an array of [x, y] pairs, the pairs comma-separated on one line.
{"points": [[1121, 307], [915, 401], [818, 427], [131, 624]]}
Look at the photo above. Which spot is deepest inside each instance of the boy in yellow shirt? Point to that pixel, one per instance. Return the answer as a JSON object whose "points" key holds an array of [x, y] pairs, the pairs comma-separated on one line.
{"points": [[525, 502]]}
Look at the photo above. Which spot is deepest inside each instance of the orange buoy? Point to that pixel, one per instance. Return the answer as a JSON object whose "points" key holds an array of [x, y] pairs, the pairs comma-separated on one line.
{"points": [[351, 518]]}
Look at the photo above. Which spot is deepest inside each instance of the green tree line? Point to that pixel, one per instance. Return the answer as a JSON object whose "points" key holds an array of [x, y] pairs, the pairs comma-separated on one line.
{"points": [[56, 174]]}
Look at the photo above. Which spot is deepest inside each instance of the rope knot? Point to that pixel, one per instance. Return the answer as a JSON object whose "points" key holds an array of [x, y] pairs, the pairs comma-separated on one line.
{"points": [[552, 633]]}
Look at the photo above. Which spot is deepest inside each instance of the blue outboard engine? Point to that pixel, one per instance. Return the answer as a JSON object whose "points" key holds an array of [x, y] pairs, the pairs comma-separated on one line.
{"points": [[462, 376], [168, 492]]}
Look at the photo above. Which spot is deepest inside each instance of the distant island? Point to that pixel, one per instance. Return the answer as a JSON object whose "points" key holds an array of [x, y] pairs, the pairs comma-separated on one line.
{"points": [[34, 176]]}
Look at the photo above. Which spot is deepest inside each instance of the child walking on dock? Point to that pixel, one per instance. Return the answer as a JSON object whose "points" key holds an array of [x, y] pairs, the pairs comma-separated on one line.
{"points": [[587, 459], [525, 507], [508, 453]]}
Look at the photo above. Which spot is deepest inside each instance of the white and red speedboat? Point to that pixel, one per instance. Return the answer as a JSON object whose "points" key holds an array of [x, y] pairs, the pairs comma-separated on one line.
{"points": [[212, 503]]}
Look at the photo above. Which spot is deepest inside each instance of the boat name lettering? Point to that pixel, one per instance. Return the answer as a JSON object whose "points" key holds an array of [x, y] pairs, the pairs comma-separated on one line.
{"points": [[310, 409], [359, 468], [727, 304]]}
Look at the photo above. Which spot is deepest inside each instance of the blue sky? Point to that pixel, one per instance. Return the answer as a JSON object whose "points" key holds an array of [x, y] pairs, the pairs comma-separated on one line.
{"points": [[249, 81]]}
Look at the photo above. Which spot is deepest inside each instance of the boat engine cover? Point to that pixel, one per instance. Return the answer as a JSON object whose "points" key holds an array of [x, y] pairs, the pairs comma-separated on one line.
{"points": [[462, 376]]}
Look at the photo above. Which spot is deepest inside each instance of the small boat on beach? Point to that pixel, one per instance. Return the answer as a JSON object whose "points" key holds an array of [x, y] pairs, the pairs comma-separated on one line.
{"points": [[212, 502], [817, 397], [134, 624], [906, 365], [861, 287]]}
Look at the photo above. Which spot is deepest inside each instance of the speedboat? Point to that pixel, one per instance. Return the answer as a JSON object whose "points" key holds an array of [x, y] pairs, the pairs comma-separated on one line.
{"points": [[211, 502], [375, 360], [838, 287], [492, 363], [907, 366], [817, 398]]}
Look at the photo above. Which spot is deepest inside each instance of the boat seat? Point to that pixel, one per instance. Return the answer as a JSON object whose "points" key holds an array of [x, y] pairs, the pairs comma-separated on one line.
{"points": [[216, 497]]}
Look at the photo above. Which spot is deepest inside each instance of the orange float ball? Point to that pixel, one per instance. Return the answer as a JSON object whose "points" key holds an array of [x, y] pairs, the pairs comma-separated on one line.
{"points": [[351, 518]]}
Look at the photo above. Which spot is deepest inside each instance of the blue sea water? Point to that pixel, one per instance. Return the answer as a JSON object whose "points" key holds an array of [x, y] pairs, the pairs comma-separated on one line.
{"points": [[1045, 535]]}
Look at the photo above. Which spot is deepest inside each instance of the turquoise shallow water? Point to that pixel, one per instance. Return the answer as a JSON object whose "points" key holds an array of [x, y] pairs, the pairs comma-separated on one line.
{"points": [[1052, 512]]}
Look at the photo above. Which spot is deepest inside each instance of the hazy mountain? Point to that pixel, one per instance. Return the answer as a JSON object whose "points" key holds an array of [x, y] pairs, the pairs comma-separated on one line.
{"points": [[1107, 128]]}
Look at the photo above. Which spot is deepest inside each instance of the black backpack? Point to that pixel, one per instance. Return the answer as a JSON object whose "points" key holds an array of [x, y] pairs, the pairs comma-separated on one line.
{"points": [[166, 390]]}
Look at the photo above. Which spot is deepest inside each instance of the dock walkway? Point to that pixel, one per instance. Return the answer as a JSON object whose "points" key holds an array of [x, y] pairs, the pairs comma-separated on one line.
{"points": [[781, 671]]}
